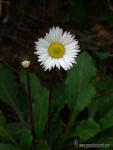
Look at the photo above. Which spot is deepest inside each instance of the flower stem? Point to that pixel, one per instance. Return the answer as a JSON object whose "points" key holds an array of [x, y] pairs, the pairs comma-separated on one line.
{"points": [[30, 110], [49, 117]]}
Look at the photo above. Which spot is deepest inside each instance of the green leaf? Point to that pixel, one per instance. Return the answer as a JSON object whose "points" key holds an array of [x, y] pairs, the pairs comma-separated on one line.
{"points": [[4, 134], [107, 120], [105, 137], [58, 100], [8, 147], [108, 142], [9, 90], [40, 104], [2, 119], [102, 104], [86, 129], [58, 103], [26, 140], [56, 131], [79, 85], [43, 146], [17, 128]]}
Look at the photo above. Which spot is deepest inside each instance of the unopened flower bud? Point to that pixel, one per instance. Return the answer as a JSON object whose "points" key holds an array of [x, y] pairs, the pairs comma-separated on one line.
{"points": [[25, 64]]}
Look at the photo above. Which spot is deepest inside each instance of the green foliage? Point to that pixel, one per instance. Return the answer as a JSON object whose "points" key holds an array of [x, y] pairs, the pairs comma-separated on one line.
{"points": [[86, 129], [78, 93], [40, 103], [58, 103], [107, 120], [79, 85], [8, 147], [102, 104], [43, 146], [9, 90], [59, 100], [4, 134], [2, 119], [26, 140]]}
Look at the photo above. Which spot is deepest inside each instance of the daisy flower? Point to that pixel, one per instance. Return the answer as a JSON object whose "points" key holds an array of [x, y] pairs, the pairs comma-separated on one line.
{"points": [[57, 49]]}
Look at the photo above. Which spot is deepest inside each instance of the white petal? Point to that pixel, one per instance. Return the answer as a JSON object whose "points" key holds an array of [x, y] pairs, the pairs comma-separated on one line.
{"points": [[57, 63], [43, 42], [66, 39], [58, 34], [63, 64], [63, 37], [52, 34]]}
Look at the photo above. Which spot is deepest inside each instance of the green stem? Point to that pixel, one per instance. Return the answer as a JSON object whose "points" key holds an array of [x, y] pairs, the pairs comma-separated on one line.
{"points": [[49, 117], [30, 108]]}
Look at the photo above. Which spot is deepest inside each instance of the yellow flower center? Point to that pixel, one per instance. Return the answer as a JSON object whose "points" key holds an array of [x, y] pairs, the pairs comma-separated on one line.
{"points": [[56, 50]]}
